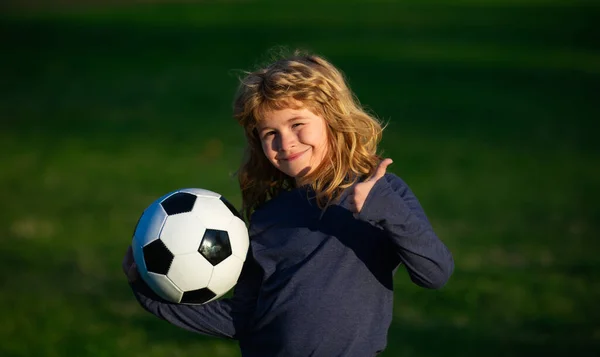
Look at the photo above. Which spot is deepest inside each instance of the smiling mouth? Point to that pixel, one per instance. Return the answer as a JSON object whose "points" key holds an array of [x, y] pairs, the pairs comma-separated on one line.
{"points": [[295, 156]]}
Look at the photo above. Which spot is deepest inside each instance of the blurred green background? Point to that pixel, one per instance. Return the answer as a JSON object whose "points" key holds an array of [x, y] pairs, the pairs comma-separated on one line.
{"points": [[493, 110]]}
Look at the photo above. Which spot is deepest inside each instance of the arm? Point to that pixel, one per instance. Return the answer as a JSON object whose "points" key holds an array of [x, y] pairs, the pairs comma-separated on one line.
{"points": [[392, 206], [228, 318]]}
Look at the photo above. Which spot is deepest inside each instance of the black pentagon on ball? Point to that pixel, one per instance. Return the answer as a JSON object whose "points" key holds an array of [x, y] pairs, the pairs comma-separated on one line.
{"points": [[179, 202], [158, 257], [199, 296], [215, 246], [231, 208]]}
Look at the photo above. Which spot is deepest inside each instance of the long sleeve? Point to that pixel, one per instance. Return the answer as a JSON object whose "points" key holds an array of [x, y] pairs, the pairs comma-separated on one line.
{"points": [[227, 318], [392, 206]]}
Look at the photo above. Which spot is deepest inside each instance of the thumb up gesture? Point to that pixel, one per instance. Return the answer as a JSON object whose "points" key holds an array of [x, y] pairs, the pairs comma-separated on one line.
{"points": [[360, 191]]}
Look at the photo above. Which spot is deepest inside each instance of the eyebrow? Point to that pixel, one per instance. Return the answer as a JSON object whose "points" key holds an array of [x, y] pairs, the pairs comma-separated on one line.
{"points": [[297, 117]]}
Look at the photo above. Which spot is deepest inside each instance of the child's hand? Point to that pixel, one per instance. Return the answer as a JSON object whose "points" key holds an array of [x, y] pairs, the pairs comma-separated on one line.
{"points": [[129, 266], [361, 190]]}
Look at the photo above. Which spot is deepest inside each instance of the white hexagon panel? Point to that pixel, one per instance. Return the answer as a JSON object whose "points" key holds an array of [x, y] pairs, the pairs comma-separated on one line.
{"points": [[182, 233], [200, 192], [164, 287], [150, 224], [190, 272], [225, 275], [238, 238], [212, 212]]}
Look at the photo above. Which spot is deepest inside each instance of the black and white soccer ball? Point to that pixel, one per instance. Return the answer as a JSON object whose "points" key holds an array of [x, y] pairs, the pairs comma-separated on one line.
{"points": [[190, 245]]}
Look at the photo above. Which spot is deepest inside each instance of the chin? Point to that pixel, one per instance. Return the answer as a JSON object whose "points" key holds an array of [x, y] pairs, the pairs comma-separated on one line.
{"points": [[296, 173], [299, 175]]}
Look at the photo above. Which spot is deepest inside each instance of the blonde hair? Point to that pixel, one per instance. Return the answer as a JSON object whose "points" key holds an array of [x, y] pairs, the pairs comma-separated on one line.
{"points": [[353, 135]]}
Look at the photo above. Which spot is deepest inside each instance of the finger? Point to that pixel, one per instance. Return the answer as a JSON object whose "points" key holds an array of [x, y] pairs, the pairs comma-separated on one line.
{"points": [[381, 169], [127, 259], [125, 263], [132, 274]]}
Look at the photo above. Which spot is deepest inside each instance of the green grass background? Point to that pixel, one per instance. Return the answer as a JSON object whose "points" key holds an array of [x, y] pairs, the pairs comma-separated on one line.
{"points": [[492, 110]]}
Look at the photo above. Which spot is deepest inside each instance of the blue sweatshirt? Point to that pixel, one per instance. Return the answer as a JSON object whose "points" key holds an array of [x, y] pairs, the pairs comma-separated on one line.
{"points": [[319, 285]]}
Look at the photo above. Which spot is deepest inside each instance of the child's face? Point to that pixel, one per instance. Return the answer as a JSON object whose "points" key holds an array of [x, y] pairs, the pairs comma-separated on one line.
{"points": [[294, 140]]}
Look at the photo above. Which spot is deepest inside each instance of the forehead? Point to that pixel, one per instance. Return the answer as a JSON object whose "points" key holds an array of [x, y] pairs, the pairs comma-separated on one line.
{"points": [[259, 112], [284, 115], [279, 116]]}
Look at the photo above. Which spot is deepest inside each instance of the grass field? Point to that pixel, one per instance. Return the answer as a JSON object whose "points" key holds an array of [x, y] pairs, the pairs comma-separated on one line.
{"points": [[492, 111]]}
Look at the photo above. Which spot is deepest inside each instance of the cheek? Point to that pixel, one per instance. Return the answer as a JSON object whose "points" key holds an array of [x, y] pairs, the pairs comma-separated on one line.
{"points": [[323, 150], [323, 142], [267, 149]]}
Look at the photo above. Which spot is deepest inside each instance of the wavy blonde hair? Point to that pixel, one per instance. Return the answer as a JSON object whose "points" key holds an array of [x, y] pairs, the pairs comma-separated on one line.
{"points": [[353, 134]]}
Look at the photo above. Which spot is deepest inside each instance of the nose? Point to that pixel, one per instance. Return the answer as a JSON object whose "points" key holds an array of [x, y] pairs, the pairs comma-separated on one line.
{"points": [[285, 141]]}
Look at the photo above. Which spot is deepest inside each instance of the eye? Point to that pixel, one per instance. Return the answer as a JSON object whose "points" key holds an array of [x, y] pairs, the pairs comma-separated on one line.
{"points": [[295, 125], [269, 133]]}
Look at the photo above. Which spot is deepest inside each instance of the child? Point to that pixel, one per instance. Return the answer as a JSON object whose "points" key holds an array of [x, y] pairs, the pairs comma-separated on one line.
{"points": [[328, 226]]}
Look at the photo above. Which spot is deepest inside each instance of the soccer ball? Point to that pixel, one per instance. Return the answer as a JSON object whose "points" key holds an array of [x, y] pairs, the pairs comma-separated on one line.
{"points": [[190, 245]]}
